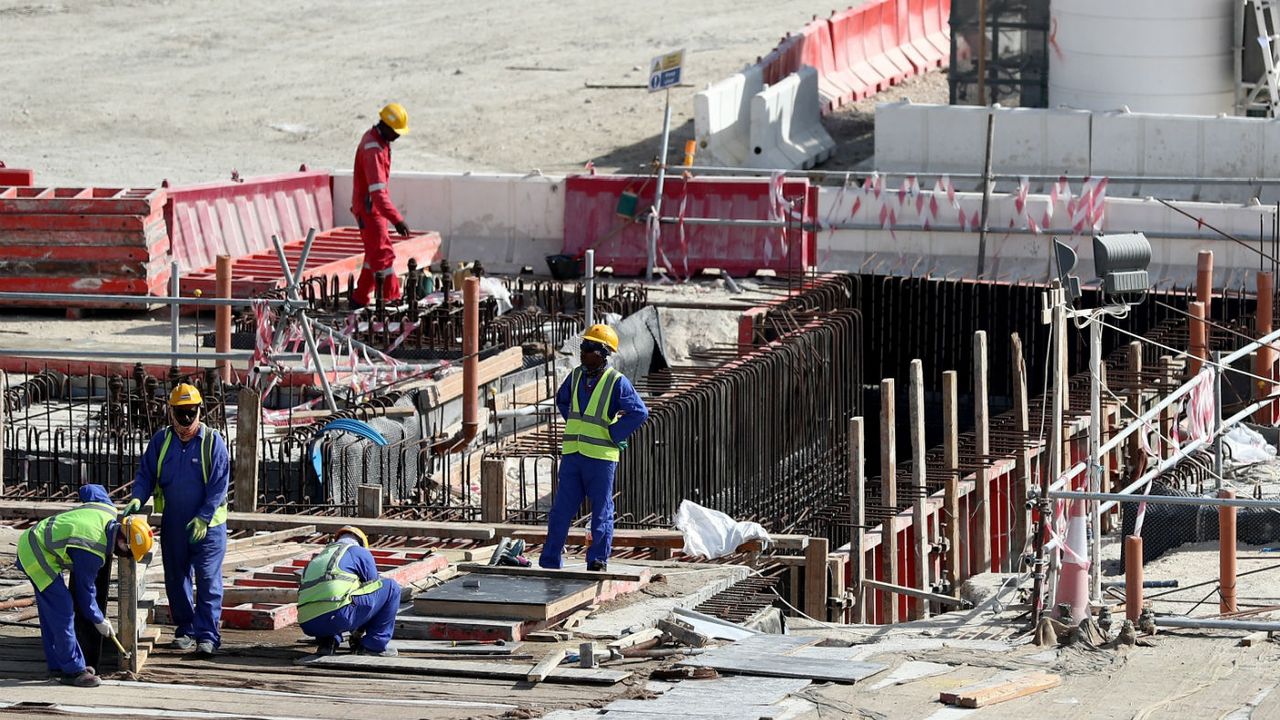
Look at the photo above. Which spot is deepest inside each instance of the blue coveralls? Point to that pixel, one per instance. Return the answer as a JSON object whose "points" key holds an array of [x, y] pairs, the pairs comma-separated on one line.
{"points": [[57, 605], [186, 496], [581, 476], [374, 613]]}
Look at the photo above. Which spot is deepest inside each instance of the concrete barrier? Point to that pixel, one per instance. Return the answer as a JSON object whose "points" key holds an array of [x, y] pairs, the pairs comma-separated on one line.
{"points": [[505, 221], [722, 117], [786, 124]]}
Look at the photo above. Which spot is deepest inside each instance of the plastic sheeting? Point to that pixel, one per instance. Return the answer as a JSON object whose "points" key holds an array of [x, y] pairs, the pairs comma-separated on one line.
{"points": [[711, 534]]}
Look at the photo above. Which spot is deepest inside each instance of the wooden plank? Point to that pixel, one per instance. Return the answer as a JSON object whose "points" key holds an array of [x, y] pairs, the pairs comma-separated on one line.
{"points": [[1012, 561], [461, 668], [545, 666], [981, 533], [889, 496], [1003, 687], [493, 490], [858, 514], [235, 595], [369, 501], [815, 578], [446, 647], [951, 464], [451, 387], [920, 528], [780, 656], [127, 607], [245, 473], [634, 575], [271, 538]]}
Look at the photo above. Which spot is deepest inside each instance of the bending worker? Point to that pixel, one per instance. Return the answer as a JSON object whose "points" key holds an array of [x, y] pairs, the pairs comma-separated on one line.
{"points": [[601, 409], [372, 207], [187, 466], [341, 593], [78, 540]]}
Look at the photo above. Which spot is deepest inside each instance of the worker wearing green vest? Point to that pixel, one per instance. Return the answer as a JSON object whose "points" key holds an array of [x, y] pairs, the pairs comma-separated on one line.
{"points": [[81, 540], [601, 409], [188, 468], [340, 592]]}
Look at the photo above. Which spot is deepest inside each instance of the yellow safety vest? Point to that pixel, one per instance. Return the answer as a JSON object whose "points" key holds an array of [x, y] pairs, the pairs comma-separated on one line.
{"points": [[587, 433], [43, 549], [206, 450], [325, 587]]}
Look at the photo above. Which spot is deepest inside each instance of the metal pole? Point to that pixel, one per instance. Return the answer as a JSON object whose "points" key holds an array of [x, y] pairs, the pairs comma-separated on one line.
{"points": [[72, 298], [1095, 467], [175, 291], [1167, 499], [291, 292], [1217, 420], [982, 52], [137, 354], [987, 186], [591, 288], [1177, 621], [662, 178]]}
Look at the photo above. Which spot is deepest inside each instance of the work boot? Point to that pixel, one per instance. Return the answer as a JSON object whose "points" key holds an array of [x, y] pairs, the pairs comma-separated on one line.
{"points": [[598, 566], [326, 647], [183, 643], [57, 674], [389, 652], [83, 679], [204, 647], [354, 641]]}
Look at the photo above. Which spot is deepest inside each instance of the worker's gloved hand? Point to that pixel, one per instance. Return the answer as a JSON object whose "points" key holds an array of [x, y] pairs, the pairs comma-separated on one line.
{"points": [[624, 444], [402, 229], [199, 527], [134, 506], [104, 628]]}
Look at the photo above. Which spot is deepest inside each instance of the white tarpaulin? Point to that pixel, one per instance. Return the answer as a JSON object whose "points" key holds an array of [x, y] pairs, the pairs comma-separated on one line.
{"points": [[711, 534]]}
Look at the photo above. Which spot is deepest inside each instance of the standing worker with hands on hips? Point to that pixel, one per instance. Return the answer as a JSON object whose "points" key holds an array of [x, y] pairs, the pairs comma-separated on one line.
{"points": [[188, 468], [81, 540], [601, 409], [372, 207]]}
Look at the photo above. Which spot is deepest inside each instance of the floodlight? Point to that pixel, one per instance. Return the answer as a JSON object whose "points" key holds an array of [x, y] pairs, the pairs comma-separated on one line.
{"points": [[1121, 262]]}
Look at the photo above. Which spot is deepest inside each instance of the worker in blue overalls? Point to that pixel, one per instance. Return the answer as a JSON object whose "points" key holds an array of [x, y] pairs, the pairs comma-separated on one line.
{"points": [[340, 592], [601, 409], [187, 467], [81, 540]]}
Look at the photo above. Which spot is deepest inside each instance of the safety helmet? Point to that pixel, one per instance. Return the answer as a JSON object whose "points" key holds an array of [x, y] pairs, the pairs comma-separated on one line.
{"points": [[602, 334], [138, 534], [395, 117], [353, 530], [185, 394]]}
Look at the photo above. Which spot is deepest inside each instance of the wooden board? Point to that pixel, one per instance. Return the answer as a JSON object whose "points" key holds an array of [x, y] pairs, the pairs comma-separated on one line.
{"points": [[546, 665], [462, 668], [1002, 687], [634, 574], [782, 656], [444, 647], [415, 627], [506, 597]]}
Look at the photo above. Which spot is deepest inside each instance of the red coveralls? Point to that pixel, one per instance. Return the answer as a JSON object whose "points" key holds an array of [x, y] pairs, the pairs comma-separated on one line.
{"points": [[372, 207]]}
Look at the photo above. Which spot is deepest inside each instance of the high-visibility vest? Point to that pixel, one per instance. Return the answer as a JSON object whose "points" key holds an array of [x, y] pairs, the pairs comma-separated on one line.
{"points": [[43, 549], [206, 451], [325, 587], [587, 433]]}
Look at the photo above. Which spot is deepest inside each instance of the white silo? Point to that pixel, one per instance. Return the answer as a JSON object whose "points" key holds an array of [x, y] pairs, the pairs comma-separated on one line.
{"points": [[1156, 56]]}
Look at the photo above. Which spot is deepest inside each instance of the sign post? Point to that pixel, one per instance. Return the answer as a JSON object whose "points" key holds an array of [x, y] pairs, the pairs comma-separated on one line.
{"points": [[664, 73]]}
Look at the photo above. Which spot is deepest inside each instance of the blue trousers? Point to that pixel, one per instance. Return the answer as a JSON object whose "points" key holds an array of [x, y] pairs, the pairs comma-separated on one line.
{"points": [[374, 614], [581, 477], [199, 621], [58, 629]]}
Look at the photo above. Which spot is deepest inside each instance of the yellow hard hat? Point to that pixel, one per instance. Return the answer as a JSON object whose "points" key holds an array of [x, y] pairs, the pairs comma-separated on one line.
{"points": [[395, 117], [353, 530], [138, 532], [185, 394], [602, 334]]}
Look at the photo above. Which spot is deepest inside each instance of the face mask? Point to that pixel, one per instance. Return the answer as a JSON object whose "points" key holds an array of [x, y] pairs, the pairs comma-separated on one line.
{"points": [[186, 415]]}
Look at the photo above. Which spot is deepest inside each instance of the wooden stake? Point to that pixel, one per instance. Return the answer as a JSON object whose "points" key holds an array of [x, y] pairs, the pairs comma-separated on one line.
{"points": [[982, 530], [1012, 561], [951, 464], [889, 496], [815, 578], [858, 516], [1137, 459], [919, 608], [493, 490], [248, 415], [545, 666], [222, 314], [369, 500]]}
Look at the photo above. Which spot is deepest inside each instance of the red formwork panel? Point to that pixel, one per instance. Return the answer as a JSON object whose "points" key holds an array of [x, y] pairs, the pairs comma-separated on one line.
{"points": [[336, 252], [686, 249], [238, 217], [84, 201], [16, 176]]}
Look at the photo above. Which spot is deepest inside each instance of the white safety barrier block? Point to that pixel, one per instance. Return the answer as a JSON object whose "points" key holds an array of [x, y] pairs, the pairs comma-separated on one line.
{"points": [[786, 124], [722, 117]]}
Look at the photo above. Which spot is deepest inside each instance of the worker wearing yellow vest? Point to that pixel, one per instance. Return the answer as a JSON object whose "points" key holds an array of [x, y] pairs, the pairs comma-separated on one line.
{"points": [[188, 468], [340, 592], [601, 409], [80, 540]]}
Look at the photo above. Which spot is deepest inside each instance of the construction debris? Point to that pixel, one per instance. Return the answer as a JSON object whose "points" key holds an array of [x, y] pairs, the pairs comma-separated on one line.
{"points": [[1001, 688]]}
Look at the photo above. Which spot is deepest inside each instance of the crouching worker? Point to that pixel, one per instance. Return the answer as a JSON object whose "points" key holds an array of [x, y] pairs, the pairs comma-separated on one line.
{"points": [[341, 593], [80, 540]]}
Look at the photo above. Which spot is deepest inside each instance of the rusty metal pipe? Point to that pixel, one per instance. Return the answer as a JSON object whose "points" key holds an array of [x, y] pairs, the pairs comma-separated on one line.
{"points": [[1204, 279], [1133, 577], [222, 315], [1227, 554], [470, 369]]}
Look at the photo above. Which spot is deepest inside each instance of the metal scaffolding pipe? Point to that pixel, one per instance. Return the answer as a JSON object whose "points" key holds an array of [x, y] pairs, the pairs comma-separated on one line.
{"points": [[139, 354], [1177, 621], [73, 298], [867, 174], [1168, 499]]}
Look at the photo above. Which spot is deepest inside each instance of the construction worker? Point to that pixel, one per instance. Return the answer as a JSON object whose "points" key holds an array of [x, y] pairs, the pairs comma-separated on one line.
{"points": [[341, 592], [187, 467], [371, 204], [601, 409], [78, 540]]}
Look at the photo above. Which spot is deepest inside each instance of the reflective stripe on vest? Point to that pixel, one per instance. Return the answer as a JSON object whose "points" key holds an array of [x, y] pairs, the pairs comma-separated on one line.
{"points": [[587, 433], [325, 587], [206, 453], [42, 549]]}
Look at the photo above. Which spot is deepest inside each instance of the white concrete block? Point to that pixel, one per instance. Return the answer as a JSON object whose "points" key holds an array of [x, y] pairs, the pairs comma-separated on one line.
{"points": [[722, 117], [786, 124]]}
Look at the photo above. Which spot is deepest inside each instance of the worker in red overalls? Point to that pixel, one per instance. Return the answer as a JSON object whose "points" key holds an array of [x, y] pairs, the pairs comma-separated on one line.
{"points": [[372, 207]]}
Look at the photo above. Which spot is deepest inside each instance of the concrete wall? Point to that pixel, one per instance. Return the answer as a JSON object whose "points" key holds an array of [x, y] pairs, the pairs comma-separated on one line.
{"points": [[504, 221], [952, 139]]}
